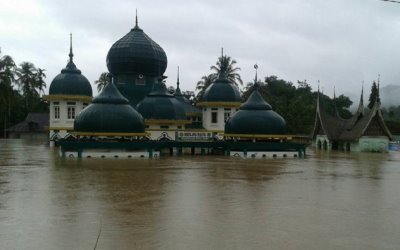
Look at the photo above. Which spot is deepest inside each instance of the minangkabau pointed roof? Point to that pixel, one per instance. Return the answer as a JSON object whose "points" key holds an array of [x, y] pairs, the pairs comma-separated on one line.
{"points": [[339, 129]]}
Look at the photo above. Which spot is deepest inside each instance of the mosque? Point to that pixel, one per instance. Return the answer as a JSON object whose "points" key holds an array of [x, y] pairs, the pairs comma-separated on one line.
{"points": [[135, 116]]}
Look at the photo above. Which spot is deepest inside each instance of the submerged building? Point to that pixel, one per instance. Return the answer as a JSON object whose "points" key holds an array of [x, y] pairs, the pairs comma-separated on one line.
{"points": [[70, 92], [135, 116], [364, 131]]}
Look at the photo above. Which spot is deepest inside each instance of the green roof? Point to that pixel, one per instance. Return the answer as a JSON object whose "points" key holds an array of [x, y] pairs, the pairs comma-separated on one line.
{"points": [[161, 105], [221, 90], [136, 53], [109, 112], [70, 82], [255, 117]]}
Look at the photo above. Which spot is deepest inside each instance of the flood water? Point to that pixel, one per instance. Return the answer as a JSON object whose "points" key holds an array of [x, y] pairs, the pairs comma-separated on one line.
{"points": [[326, 201]]}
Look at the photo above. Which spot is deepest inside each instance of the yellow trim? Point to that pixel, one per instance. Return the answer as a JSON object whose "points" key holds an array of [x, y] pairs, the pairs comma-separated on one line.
{"points": [[289, 137], [108, 134], [196, 114], [165, 122], [67, 97], [219, 104]]}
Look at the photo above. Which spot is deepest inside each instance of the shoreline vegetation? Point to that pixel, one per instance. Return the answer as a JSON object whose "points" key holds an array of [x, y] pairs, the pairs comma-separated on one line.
{"points": [[22, 87]]}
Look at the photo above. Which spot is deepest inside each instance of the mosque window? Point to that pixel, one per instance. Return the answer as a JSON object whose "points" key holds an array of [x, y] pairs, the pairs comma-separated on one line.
{"points": [[56, 112], [71, 112], [71, 103], [164, 127], [214, 116], [227, 115]]}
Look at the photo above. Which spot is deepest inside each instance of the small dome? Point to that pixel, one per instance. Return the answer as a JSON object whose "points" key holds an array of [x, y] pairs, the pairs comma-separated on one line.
{"points": [[256, 117], [109, 112], [221, 90], [70, 81], [161, 105], [136, 53]]}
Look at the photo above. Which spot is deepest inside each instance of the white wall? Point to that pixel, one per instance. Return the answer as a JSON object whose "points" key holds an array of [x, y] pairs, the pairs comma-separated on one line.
{"points": [[220, 125], [63, 123]]}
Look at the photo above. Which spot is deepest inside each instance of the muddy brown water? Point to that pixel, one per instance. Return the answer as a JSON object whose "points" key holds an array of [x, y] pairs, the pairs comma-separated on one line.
{"points": [[326, 201]]}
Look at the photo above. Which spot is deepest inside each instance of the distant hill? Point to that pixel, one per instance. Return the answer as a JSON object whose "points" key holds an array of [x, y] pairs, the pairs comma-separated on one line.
{"points": [[390, 95]]}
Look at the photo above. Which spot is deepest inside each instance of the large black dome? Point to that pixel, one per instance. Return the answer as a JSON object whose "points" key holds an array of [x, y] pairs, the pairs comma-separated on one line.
{"points": [[256, 117], [136, 53], [109, 112]]}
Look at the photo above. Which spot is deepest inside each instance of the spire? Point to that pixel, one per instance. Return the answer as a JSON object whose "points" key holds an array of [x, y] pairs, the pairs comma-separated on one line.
{"points": [[136, 23], [360, 109], [318, 105], [177, 81], [334, 102], [222, 66], [71, 55], [378, 98], [136, 20]]}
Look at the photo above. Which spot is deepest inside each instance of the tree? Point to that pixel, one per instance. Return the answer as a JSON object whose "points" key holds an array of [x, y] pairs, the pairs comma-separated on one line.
{"points": [[27, 81], [102, 81], [374, 96], [227, 64], [7, 70], [40, 83], [224, 63], [203, 84]]}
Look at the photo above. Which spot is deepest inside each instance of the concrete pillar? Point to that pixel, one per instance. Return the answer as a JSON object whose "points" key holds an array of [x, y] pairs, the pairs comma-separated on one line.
{"points": [[180, 151]]}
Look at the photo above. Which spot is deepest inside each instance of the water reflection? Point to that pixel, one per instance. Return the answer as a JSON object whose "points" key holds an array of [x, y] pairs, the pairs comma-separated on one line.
{"points": [[339, 200]]}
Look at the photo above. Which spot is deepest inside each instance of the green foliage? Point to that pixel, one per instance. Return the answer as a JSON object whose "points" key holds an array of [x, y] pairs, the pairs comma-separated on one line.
{"points": [[297, 104], [103, 80], [374, 96], [225, 64], [20, 89]]}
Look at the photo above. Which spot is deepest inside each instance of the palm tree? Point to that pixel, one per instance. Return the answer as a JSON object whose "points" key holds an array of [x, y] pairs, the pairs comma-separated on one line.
{"points": [[40, 83], [203, 84], [227, 64], [102, 81], [27, 81], [7, 70]]}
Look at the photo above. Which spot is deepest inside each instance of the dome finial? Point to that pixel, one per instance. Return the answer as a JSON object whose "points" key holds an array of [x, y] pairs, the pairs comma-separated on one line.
{"points": [[222, 64], [177, 81], [256, 85], [71, 55], [136, 20]]}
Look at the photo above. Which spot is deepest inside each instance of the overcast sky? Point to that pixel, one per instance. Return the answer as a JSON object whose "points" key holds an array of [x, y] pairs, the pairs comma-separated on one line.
{"points": [[340, 42]]}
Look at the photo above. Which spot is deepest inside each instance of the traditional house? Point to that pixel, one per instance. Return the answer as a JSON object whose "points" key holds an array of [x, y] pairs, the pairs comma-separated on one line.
{"points": [[364, 131], [35, 126]]}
